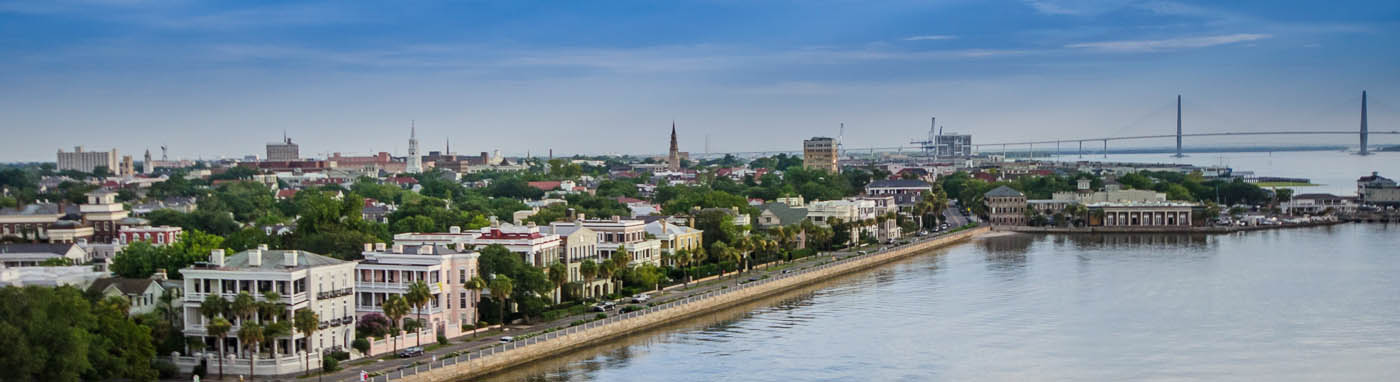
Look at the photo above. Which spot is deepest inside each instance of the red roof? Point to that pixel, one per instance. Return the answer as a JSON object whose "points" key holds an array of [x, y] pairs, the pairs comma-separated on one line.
{"points": [[286, 193], [545, 185], [404, 180], [627, 200]]}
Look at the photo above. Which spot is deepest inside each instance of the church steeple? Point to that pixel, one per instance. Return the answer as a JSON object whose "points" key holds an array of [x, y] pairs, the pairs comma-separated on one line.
{"points": [[673, 159]]}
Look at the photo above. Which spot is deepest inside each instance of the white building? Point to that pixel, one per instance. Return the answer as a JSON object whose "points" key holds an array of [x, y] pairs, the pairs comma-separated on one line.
{"points": [[87, 161], [304, 280]]}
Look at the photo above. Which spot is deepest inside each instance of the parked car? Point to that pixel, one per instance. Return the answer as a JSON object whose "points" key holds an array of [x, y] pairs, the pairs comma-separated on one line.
{"points": [[507, 339], [923, 233], [603, 306], [641, 298], [411, 352]]}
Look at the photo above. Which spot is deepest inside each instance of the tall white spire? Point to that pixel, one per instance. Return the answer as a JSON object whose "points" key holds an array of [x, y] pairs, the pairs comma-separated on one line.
{"points": [[415, 161]]}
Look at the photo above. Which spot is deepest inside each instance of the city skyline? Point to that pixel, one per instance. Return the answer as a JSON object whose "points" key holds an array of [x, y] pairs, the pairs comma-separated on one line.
{"points": [[579, 78]]}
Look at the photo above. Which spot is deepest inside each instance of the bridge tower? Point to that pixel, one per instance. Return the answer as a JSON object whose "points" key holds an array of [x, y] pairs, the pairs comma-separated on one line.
{"points": [[1178, 127], [1364, 150]]}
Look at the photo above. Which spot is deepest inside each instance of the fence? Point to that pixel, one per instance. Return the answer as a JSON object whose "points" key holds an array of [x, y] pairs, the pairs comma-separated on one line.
{"points": [[533, 339]]}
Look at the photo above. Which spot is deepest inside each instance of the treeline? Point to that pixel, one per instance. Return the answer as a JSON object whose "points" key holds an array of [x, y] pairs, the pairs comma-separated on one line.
{"points": [[61, 334]]}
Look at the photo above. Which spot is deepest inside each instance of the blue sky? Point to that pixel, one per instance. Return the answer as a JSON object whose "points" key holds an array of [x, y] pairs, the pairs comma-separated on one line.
{"points": [[221, 79]]}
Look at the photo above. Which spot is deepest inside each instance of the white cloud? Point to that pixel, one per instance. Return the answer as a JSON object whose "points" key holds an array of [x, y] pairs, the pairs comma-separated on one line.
{"points": [[1169, 44], [935, 37], [1076, 7]]}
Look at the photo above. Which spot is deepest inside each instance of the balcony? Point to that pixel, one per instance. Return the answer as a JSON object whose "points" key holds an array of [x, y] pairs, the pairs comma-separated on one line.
{"points": [[335, 293]]}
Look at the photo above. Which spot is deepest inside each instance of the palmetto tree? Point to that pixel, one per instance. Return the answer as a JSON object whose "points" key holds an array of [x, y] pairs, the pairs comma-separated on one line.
{"points": [[272, 308], [395, 308], [558, 276], [219, 327], [306, 322], [589, 271], [682, 259], [250, 334], [419, 296], [476, 284], [501, 288], [605, 270]]}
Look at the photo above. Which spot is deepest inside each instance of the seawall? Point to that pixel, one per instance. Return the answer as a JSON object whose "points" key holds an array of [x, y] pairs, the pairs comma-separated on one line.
{"points": [[1157, 229], [559, 342]]}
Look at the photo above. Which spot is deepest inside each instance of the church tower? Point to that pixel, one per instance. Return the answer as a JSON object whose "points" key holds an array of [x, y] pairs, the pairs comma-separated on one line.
{"points": [[673, 161], [415, 162], [146, 166]]}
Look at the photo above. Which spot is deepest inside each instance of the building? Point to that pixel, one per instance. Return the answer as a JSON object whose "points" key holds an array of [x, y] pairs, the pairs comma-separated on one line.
{"points": [[673, 158], [953, 145], [615, 233], [88, 161], [31, 255], [580, 244], [103, 214], [446, 269], [1005, 206], [1318, 204], [147, 166], [158, 235], [1378, 190], [1143, 214], [304, 280], [820, 153], [781, 215], [128, 166], [284, 151], [78, 276], [906, 192], [32, 221], [143, 294], [415, 161], [373, 163], [675, 237], [537, 248]]}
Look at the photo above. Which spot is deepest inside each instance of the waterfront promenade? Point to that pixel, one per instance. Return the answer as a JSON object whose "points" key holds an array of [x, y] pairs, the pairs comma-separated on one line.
{"points": [[457, 362]]}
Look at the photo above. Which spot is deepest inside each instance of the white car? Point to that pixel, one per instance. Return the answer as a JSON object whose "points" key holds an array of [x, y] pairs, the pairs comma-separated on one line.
{"points": [[641, 298], [507, 339]]}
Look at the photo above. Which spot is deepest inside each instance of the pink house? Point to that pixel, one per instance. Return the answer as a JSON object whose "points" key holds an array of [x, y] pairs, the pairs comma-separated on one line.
{"points": [[388, 271]]}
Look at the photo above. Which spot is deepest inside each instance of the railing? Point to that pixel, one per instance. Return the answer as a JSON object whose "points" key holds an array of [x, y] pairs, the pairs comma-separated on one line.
{"points": [[335, 293], [565, 332]]}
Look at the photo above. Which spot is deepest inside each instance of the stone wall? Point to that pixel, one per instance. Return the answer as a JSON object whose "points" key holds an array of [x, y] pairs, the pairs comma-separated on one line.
{"points": [[601, 331]]}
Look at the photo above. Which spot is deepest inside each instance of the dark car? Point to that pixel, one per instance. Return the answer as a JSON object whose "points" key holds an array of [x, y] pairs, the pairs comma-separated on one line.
{"points": [[411, 352]]}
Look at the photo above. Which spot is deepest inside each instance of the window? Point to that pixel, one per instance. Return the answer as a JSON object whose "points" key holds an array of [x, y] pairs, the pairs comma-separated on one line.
{"points": [[461, 276], [462, 302]]}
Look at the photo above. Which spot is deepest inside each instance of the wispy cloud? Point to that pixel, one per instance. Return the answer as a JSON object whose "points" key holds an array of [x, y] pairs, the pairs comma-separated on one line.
{"points": [[1076, 7], [1169, 44], [935, 37]]}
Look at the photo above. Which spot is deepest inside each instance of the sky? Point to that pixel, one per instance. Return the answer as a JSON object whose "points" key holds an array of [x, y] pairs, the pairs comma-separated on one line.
{"points": [[221, 79]]}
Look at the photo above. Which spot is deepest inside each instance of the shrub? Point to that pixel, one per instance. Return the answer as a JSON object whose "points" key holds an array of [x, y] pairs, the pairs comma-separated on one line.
{"points": [[201, 369], [482, 325], [600, 316], [442, 339], [361, 344], [166, 368], [330, 364], [577, 322], [372, 325], [631, 308], [340, 355]]}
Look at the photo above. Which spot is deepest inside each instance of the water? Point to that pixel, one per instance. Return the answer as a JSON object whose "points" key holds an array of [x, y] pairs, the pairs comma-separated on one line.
{"points": [[1299, 304], [1334, 171]]}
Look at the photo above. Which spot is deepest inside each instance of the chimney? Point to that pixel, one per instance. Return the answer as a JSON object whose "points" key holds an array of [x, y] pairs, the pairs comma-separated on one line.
{"points": [[495, 222], [454, 229], [461, 247], [369, 247], [255, 257], [159, 275], [398, 248], [570, 214], [289, 259], [580, 217], [616, 219], [217, 257], [379, 247], [425, 249]]}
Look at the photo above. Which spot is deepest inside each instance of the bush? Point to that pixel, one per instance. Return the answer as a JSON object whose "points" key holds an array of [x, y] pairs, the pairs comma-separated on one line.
{"points": [[631, 308], [361, 344], [442, 339], [482, 325], [600, 316], [340, 355], [166, 368], [201, 369], [330, 364], [577, 322]]}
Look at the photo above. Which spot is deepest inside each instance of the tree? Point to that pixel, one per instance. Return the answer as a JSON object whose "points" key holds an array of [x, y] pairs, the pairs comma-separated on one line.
{"points": [[589, 270], [476, 284], [558, 275], [306, 323], [273, 308], [682, 258], [249, 335], [395, 308], [621, 262], [419, 296], [501, 288], [219, 327]]}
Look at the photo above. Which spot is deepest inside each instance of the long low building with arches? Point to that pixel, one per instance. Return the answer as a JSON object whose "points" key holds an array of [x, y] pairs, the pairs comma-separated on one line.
{"points": [[1148, 214]]}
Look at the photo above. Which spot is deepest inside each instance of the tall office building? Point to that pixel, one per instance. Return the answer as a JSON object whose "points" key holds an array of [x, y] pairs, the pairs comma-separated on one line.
{"points": [[283, 151], [953, 145], [87, 161], [415, 161], [128, 166], [820, 153]]}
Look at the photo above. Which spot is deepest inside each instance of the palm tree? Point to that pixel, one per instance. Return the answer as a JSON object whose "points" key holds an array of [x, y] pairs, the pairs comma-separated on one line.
{"points": [[250, 334], [605, 271], [418, 297], [244, 306], [682, 259], [272, 308], [558, 275], [743, 248], [306, 322], [722, 253], [476, 284], [501, 288], [218, 327], [621, 261], [589, 270], [395, 308]]}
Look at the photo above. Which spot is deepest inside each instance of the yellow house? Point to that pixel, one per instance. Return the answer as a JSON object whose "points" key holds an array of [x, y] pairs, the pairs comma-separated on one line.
{"points": [[675, 237]]}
